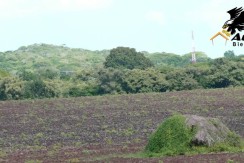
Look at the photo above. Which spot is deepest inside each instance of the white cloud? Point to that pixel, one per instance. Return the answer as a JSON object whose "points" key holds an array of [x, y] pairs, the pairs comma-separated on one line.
{"points": [[16, 8], [156, 16]]}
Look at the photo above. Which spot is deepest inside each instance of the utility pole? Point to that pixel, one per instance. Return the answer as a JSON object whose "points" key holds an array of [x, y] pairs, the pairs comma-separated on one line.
{"points": [[193, 56]]}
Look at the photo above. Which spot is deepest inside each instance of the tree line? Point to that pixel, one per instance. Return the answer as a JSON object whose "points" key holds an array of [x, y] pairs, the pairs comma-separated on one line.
{"points": [[125, 71]]}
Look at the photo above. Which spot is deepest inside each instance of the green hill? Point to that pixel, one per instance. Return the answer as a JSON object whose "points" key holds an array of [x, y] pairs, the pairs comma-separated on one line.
{"points": [[61, 58], [38, 56]]}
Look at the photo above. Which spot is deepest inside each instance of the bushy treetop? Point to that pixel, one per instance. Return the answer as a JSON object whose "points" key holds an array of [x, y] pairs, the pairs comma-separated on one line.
{"points": [[124, 57]]}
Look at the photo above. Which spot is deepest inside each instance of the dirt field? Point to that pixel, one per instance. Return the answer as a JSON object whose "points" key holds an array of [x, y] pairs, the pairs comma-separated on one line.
{"points": [[108, 128], [113, 154]]}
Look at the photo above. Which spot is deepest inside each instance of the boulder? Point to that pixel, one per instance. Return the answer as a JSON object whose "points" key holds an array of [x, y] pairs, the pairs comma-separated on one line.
{"points": [[208, 130]]}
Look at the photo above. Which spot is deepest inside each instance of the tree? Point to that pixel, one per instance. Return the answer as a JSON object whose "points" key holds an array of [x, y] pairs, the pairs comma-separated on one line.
{"points": [[85, 75], [48, 73], [199, 71], [38, 89], [110, 81], [166, 59], [229, 54], [124, 57], [182, 80], [200, 56], [27, 75], [138, 81], [225, 73], [78, 89], [219, 79], [3, 73], [11, 88]]}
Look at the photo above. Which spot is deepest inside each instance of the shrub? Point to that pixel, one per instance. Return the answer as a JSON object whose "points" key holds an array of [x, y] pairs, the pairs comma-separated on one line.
{"points": [[138, 81], [38, 89], [81, 89], [11, 88], [171, 137], [110, 81]]}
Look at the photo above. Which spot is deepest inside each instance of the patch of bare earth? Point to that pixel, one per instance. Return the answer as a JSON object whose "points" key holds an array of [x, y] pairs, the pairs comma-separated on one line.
{"points": [[63, 129]]}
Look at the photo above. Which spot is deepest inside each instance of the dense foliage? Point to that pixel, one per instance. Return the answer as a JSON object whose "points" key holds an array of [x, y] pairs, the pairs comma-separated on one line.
{"points": [[123, 57], [45, 71], [171, 136]]}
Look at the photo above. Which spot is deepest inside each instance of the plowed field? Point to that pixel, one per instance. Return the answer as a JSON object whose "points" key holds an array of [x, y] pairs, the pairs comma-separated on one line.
{"points": [[108, 128]]}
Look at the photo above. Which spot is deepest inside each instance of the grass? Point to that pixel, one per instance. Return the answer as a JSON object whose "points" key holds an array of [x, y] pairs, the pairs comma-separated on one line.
{"points": [[203, 150], [172, 137]]}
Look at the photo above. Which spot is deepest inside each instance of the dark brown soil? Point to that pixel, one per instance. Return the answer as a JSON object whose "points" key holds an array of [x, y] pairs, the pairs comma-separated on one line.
{"points": [[109, 123], [113, 154]]}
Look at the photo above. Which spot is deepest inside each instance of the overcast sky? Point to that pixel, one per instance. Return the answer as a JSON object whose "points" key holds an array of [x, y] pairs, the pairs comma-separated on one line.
{"points": [[147, 25]]}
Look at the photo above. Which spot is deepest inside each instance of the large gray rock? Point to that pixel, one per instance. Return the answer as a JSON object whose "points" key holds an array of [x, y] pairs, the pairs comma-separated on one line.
{"points": [[208, 130]]}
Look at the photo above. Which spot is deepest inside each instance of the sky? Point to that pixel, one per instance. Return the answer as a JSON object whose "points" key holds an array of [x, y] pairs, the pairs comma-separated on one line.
{"points": [[146, 25]]}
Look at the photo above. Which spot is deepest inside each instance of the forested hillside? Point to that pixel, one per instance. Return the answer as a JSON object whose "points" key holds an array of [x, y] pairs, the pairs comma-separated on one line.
{"points": [[37, 57], [45, 71], [56, 58]]}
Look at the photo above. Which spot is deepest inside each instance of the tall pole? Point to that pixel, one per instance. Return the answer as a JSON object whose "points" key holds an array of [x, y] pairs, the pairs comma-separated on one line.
{"points": [[193, 56]]}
